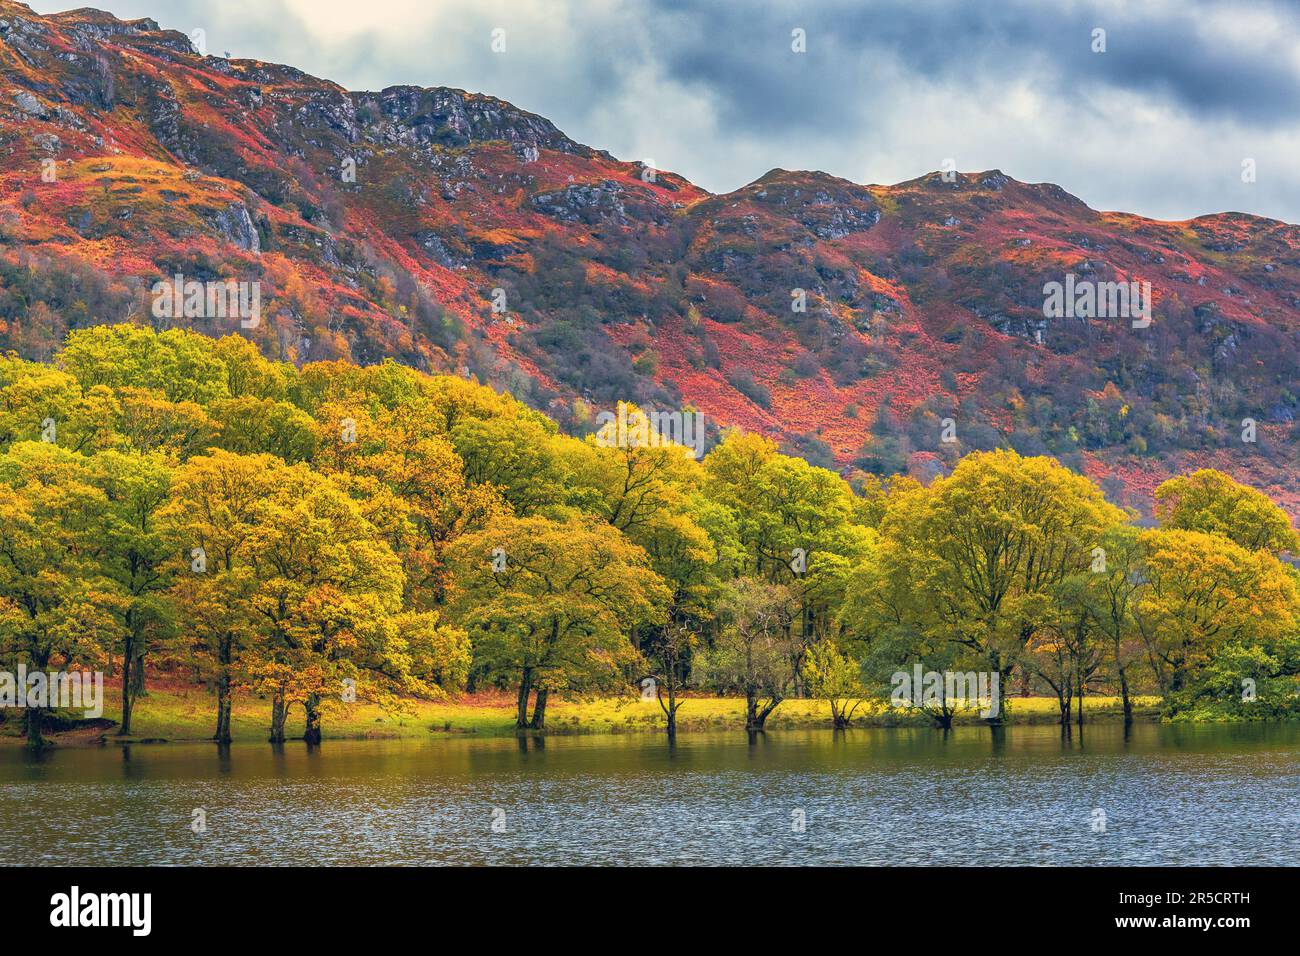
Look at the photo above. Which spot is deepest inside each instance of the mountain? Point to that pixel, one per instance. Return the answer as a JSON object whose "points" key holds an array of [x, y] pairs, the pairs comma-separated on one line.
{"points": [[454, 231]]}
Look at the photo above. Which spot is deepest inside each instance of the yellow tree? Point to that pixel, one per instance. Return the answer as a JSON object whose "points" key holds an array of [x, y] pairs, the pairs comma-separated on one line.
{"points": [[521, 456], [250, 425], [412, 485], [222, 505], [149, 422], [38, 403], [56, 607], [549, 603], [1210, 501], [183, 365], [637, 474], [1204, 593], [835, 677], [327, 592], [984, 548]]}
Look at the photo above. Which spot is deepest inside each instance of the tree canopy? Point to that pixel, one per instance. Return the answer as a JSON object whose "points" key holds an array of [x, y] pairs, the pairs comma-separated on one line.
{"points": [[177, 502]]}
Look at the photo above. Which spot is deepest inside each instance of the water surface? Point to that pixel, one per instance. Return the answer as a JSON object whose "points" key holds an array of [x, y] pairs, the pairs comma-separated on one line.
{"points": [[1225, 794]]}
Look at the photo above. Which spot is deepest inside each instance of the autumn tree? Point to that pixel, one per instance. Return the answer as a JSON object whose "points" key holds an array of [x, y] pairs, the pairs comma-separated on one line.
{"points": [[327, 590], [985, 547], [798, 526], [668, 657], [520, 455], [549, 603], [752, 655], [43, 404], [1066, 651], [149, 422], [182, 365], [1212, 502], [250, 426], [57, 608], [410, 481], [221, 506], [1115, 581], [894, 628], [1205, 594]]}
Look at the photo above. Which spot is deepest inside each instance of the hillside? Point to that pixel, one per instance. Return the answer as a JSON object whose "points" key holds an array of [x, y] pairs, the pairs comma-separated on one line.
{"points": [[127, 158]]}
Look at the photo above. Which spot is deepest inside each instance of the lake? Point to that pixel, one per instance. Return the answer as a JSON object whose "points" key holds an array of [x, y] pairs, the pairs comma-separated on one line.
{"points": [[1208, 794]]}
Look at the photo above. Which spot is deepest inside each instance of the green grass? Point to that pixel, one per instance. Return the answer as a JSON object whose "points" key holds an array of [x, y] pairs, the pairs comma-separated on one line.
{"points": [[183, 713]]}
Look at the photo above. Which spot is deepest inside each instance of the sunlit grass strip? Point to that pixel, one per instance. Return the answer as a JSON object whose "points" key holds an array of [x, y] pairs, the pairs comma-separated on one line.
{"points": [[186, 714]]}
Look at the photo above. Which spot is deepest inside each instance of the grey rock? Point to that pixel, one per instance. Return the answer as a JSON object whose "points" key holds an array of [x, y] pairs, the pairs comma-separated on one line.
{"points": [[236, 225], [29, 104]]}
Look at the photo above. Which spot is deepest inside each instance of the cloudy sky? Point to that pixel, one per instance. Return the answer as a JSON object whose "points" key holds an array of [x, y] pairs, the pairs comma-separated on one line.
{"points": [[1160, 123]]}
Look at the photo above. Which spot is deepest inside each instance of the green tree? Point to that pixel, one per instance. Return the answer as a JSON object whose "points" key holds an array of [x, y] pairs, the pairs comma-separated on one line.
{"points": [[132, 548], [549, 603], [985, 548], [754, 653], [835, 677], [668, 657], [1115, 583]]}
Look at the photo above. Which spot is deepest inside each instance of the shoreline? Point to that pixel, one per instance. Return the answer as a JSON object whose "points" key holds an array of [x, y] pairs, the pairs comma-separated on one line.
{"points": [[183, 715]]}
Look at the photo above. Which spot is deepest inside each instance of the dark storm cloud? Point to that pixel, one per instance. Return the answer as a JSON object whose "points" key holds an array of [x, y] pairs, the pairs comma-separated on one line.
{"points": [[743, 55]]}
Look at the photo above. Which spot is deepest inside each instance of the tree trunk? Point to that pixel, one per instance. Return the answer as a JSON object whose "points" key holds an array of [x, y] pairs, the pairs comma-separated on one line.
{"points": [[311, 733], [1123, 689], [525, 690], [839, 715], [1004, 680], [222, 734], [34, 739], [279, 713], [138, 689], [1176, 681], [756, 719], [539, 710], [128, 652], [669, 709]]}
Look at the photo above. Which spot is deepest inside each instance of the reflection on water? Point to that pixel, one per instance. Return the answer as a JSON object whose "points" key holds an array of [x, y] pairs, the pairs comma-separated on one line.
{"points": [[1191, 795]]}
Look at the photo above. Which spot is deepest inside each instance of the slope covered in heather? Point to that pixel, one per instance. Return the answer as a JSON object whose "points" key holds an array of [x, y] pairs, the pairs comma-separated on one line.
{"points": [[849, 321]]}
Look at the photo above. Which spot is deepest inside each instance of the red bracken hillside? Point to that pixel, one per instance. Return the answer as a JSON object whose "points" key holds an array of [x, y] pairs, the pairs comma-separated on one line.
{"points": [[848, 321]]}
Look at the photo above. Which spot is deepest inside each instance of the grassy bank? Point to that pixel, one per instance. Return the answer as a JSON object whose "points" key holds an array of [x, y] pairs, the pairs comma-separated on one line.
{"points": [[180, 713]]}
